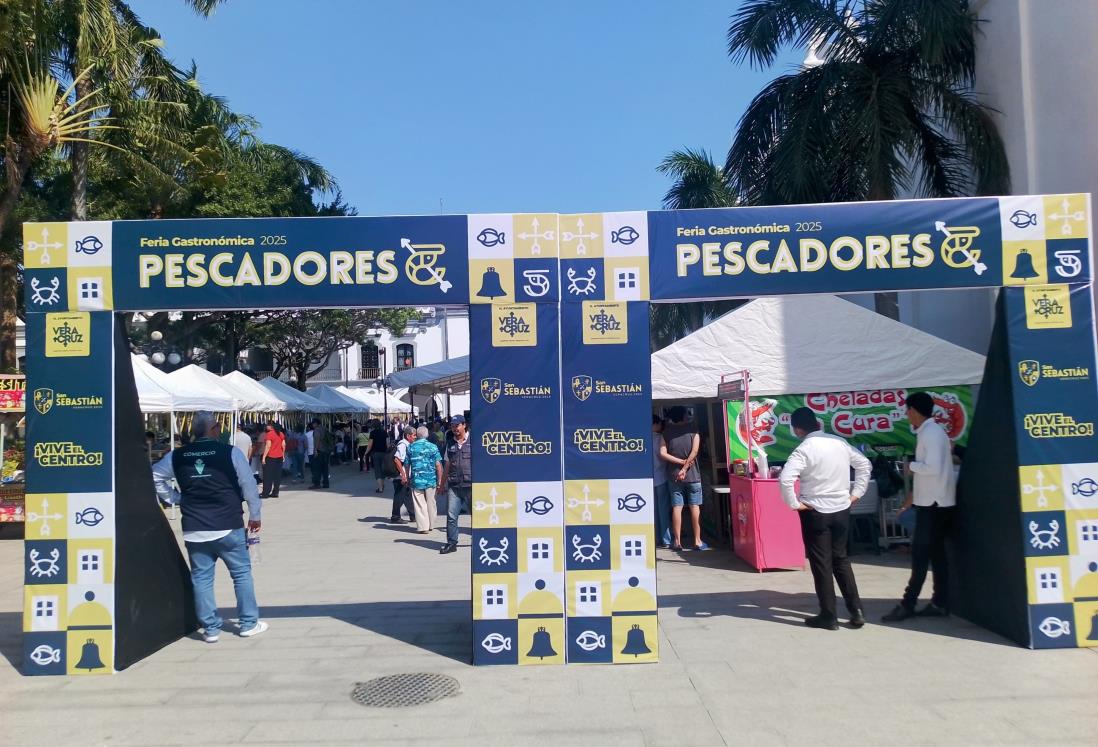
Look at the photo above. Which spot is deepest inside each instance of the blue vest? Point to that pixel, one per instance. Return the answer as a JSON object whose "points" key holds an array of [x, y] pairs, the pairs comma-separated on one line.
{"points": [[211, 496]]}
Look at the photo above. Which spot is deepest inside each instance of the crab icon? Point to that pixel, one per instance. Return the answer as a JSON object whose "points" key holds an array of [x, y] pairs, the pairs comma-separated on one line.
{"points": [[495, 643], [582, 285], [589, 552], [45, 295], [1044, 539], [44, 567], [494, 555]]}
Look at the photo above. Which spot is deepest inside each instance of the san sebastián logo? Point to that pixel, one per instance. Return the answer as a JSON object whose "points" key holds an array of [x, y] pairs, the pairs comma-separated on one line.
{"points": [[1032, 371]]}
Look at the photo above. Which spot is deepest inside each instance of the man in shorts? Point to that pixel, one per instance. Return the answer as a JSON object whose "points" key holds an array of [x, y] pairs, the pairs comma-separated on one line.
{"points": [[681, 443]]}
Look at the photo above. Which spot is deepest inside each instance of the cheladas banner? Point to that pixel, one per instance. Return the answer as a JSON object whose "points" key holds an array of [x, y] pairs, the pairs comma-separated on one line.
{"points": [[876, 419]]}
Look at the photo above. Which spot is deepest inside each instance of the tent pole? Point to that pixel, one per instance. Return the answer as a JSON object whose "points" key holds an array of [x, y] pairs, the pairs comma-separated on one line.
{"points": [[171, 433]]}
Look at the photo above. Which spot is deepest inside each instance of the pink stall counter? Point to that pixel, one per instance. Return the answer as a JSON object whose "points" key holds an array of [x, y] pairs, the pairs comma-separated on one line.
{"points": [[765, 532]]}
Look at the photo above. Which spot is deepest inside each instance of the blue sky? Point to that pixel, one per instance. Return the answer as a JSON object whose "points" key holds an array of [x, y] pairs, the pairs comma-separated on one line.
{"points": [[491, 106]]}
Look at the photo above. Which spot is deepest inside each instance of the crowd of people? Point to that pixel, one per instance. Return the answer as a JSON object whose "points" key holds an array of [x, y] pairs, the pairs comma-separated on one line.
{"points": [[211, 480]]}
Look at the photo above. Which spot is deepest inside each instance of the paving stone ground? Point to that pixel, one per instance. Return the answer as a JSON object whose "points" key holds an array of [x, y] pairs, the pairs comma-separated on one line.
{"points": [[349, 598]]}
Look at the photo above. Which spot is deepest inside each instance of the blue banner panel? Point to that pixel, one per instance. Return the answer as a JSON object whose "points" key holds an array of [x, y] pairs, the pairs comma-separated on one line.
{"points": [[514, 368], [290, 262], [850, 247], [606, 385], [69, 402], [1051, 336]]}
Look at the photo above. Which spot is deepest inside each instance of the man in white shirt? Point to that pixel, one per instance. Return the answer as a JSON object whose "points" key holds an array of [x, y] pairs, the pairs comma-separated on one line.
{"points": [[934, 497], [243, 440], [822, 463]]}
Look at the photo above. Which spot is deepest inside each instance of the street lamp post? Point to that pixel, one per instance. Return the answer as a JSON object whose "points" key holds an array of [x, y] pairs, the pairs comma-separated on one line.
{"points": [[384, 385]]}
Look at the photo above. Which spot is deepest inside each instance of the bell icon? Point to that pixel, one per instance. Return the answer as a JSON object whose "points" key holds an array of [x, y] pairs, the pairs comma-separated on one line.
{"points": [[490, 285], [89, 657], [635, 643], [1023, 266], [1093, 628], [542, 645]]}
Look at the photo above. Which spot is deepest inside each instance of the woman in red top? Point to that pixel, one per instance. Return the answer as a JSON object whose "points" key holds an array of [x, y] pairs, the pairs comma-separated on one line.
{"points": [[274, 451]]}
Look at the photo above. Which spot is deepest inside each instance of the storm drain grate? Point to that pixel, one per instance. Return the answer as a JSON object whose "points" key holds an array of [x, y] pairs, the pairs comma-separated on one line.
{"points": [[404, 690]]}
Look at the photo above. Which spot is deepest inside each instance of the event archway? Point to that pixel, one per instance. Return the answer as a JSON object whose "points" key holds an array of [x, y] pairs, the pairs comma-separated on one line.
{"points": [[562, 565]]}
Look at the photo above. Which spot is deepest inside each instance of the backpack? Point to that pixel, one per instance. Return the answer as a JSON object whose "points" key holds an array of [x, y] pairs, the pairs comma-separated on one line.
{"points": [[327, 441]]}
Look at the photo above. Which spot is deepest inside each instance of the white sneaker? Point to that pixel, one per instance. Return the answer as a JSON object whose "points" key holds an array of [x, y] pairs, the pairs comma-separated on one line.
{"points": [[209, 637], [256, 629]]}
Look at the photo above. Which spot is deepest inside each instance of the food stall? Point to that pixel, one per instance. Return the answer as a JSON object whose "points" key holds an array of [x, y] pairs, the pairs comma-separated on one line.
{"points": [[13, 493], [765, 533]]}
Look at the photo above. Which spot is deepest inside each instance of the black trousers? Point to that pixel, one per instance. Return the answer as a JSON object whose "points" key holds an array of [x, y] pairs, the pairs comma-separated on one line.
{"points": [[402, 496], [272, 476], [362, 457], [318, 465], [928, 549], [825, 538]]}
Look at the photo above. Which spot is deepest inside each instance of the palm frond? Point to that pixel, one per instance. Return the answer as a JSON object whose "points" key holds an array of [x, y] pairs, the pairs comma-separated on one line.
{"points": [[698, 181], [761, 28]]}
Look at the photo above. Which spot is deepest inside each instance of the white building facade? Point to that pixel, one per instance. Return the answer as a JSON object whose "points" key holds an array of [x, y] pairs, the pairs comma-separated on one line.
{"points": [[441, 333]]}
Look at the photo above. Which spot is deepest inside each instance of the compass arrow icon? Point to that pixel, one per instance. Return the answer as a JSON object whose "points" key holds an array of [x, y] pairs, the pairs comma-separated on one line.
{"points": [[444, 285]]}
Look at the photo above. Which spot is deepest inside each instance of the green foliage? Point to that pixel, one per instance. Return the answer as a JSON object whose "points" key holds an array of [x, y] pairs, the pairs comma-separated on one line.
{"points": [[886, 108]]}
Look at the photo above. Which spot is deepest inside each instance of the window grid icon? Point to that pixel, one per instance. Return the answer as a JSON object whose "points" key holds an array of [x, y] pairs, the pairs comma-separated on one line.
{"points": [[89, 562], [633, 548], [539, 550], [588, 593], [493, 596], [43, 608], [1088, 531], [89, 289], [627, 279], [1049, 579]]}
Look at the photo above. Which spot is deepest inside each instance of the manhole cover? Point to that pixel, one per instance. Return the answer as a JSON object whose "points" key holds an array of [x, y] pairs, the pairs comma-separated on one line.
{"points": [[403, 690]]}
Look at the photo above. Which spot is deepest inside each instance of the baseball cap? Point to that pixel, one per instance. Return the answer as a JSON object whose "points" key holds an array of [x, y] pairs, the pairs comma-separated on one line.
{"points": [[457, 420]]}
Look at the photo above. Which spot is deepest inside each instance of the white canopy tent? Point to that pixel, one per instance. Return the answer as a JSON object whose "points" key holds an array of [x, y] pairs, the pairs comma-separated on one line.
{"points": [[297, 400], [376, 401], [203, 380], [800, 344], [185, 395], [152, 392], [338, 401], [246, 384]]}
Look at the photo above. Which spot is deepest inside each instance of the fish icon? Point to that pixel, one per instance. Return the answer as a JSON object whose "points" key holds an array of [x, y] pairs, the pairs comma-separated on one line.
{"points": [[495, 643], [89, 245], [1087, 487], [540, 506], [589, 640], [45, 654], [1023, 219], [89, 517], [1054, 627], [631, 503], [491, 237], [624, 235]]}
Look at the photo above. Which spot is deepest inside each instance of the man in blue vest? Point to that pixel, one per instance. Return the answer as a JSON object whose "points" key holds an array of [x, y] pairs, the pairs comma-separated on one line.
{"points": [[214, 479]]}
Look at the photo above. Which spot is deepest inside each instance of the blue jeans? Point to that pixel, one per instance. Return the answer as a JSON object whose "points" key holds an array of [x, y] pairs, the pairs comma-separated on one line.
{"points": [[663, 514], [458, 497], [233, 550], [298, 459], [689, 493]]}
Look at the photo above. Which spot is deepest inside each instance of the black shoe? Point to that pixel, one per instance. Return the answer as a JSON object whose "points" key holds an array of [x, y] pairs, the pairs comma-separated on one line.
{"points": [[899, 613], [822, 622], [449, 547], [395, 520], [314, 487], [325, 485], [933, 610], [857, 619]]}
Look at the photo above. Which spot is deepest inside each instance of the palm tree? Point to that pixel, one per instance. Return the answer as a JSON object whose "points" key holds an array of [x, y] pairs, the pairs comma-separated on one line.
{"points": [[698, 183], [124, 55], [886, 107]]}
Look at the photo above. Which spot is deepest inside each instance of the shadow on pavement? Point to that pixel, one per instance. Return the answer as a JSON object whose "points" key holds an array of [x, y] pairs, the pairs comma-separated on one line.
{"points": [[11, 638], [792, 609], [442, 627], [434, 545]]}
